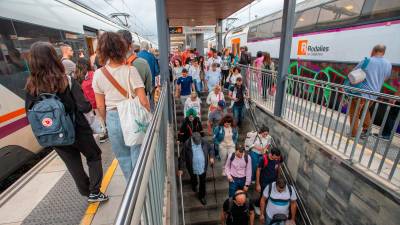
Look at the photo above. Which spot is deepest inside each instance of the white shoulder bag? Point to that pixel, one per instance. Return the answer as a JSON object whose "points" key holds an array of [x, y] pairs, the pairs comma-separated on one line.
{"points": [[134, 118]]}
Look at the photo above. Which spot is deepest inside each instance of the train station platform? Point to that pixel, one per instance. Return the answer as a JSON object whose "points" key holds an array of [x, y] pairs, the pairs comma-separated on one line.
{"points": [[47, 193]]}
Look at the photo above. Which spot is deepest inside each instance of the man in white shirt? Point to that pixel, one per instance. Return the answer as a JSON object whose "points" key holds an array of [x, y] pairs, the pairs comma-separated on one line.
{"points": [[279, 197], [214, 59]]}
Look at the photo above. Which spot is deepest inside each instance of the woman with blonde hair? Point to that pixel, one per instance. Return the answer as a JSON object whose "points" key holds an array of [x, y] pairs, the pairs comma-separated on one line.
{"points": [[214, 97], [194, 102]]}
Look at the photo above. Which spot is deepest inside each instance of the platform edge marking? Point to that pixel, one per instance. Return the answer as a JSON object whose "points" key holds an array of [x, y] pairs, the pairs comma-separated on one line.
{"points": [[92, 207]]}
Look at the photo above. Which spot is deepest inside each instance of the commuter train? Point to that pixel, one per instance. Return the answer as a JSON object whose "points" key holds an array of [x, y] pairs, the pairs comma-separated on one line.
{"points": [[330, 37], [22, 23]]}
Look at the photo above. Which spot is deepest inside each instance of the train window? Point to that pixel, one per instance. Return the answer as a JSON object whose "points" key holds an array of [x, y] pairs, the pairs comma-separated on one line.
{"points": [[76, 41], [265, 30], [307, 18], [276, 27], [340, 10], [13, 67], [30, 33], [383, 6], [252, 33]]}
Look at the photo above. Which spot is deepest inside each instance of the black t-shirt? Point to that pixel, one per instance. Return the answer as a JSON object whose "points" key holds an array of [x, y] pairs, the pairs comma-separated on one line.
{"points": [[269, 173], [239, 94], [239, 215]]}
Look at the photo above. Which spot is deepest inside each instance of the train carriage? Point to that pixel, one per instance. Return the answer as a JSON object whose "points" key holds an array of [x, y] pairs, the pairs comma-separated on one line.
{"points": [[330, 37], [22, 23]]}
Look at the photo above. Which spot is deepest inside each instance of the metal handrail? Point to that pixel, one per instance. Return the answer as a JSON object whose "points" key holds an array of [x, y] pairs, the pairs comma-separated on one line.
{"points": [[286, 175], [128, 207], [179, 152], [316, 107], [341, 86]]}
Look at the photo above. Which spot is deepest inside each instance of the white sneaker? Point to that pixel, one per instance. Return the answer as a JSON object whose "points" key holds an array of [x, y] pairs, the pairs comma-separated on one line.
{"points": [[257, 210]]}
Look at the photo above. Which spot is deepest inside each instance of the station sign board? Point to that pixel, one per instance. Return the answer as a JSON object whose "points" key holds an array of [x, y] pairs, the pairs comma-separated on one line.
{"points": [[198, 30], [176, 30]]}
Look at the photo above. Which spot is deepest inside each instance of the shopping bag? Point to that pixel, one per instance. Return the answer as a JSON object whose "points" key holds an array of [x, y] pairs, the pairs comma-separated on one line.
{"points": [[94, 123], [135, 120]]}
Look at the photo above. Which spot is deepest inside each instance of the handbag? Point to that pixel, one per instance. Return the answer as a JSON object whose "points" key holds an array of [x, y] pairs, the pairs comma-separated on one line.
{"points": [[134, 118], [357, 76]]}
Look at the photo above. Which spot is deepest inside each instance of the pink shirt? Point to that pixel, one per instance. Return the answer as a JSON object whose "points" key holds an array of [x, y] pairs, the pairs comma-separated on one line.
{"points": [[259, 62], [238, 168]]}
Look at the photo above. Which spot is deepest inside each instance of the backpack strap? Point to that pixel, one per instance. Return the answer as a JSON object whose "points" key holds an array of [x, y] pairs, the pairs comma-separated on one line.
{"points": [[131, 59], [290, 190], [230, 208], [232, 158], [269, 190], [248, 206], [246, 158], [114, 82], [365, 63]]}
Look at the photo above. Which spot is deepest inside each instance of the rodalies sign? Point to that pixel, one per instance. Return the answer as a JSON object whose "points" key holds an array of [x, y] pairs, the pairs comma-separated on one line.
{"points": [[305, 48]]}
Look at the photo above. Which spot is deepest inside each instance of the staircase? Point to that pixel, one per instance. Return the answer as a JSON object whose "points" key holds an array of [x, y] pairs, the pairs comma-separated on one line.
{"points": [[195, 212]]}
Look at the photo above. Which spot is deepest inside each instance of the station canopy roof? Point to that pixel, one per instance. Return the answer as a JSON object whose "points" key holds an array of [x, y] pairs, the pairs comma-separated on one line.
{"points": [[201, 12]]}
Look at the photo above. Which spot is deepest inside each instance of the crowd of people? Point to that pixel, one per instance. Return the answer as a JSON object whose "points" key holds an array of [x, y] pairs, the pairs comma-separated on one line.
{"points": [[84, 97], [92, 90], [258, 163], [255, 167]]}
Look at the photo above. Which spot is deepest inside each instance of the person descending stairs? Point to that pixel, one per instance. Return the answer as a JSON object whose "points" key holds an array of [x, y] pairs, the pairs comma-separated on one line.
{"points": [[196, 212]]}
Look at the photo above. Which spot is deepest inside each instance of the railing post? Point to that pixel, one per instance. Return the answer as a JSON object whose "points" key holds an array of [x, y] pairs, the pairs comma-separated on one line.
{"points": [[284, 53]]}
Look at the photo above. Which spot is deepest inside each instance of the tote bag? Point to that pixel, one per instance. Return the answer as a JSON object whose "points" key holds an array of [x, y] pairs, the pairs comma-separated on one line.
{"points": [[134, 118]]}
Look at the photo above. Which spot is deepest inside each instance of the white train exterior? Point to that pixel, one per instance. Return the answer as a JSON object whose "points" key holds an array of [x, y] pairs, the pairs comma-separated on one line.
{"points": [[342, 31], [22, 23]]}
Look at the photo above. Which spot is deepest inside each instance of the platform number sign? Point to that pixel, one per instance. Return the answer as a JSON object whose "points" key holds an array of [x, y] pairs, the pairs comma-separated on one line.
{"points": [[176, 30]]}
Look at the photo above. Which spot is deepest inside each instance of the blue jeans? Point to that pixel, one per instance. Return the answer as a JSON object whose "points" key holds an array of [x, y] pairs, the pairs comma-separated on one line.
{"points": [[268, 220], [238, 183], [198, 85], [255, 159], [238, 114], [126, 155]]}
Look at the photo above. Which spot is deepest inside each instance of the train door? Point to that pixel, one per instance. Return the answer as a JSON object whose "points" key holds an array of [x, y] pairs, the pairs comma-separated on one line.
{"points": [[235, 46], [90, 39]]}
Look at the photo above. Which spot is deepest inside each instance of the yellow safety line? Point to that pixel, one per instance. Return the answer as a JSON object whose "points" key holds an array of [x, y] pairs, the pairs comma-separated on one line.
{"points": [[92, 207]]}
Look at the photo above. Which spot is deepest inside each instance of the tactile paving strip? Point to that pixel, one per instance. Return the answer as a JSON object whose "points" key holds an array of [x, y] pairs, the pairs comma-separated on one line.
{"points": [[63, 205]]}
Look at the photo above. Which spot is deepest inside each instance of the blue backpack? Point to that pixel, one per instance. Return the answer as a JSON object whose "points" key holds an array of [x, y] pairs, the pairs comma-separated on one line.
{"points": [[51, 125]]}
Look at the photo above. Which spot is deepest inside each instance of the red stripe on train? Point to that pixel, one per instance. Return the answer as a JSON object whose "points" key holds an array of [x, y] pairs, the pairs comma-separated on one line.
{"points": [[14, 126]]}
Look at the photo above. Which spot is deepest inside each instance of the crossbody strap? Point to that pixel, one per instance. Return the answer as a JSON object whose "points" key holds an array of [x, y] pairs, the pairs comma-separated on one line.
{"points": [[131, 59], [114, 82]]}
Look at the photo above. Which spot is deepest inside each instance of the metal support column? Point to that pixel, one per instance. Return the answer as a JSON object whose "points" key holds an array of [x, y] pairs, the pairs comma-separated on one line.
{"points": [[162, 29], [200, 43], [219, 35], [163, 45], [284, 53]]}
